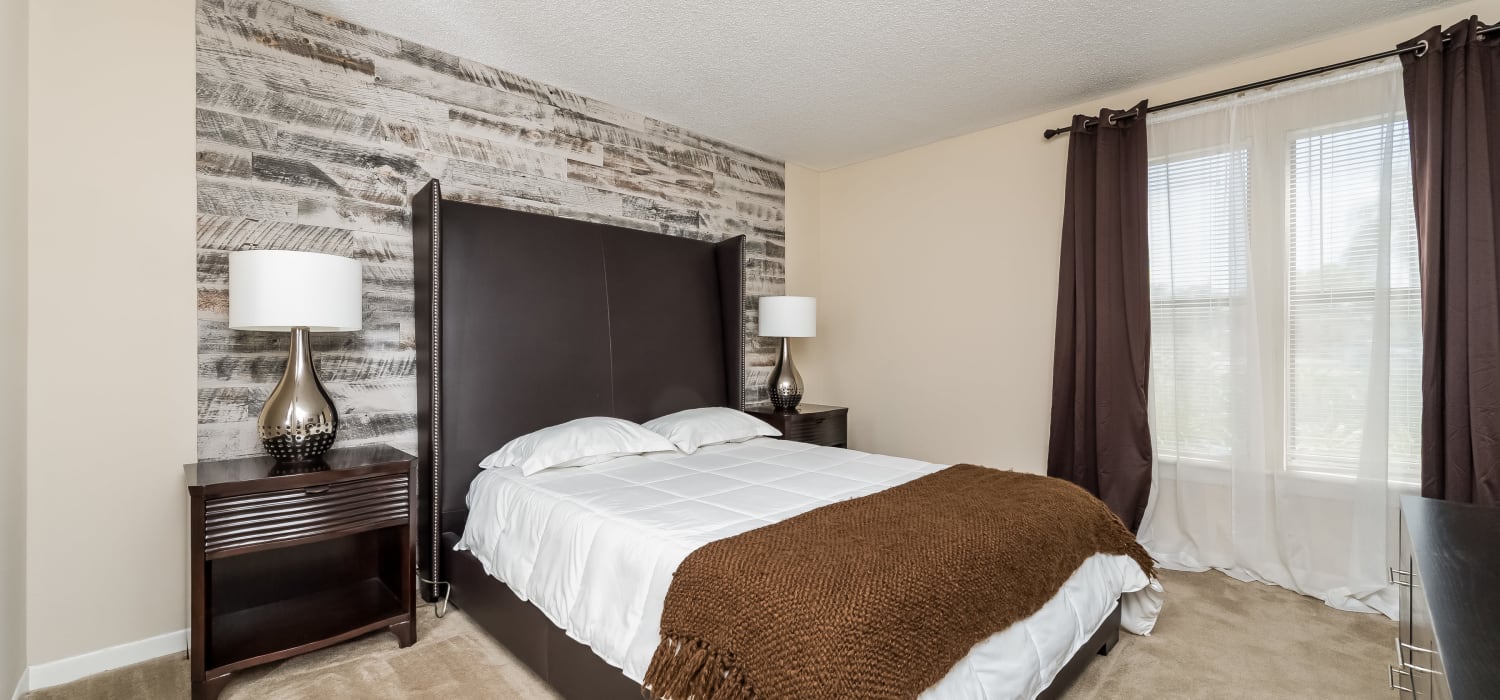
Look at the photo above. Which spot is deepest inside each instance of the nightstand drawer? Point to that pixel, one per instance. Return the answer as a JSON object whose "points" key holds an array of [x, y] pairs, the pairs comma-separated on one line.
{"points": [[236, 523], [809, 423], [817, 429]]}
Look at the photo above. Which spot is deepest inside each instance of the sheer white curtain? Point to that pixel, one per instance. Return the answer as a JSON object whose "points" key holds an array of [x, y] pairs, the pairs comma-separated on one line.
{"points": [[1286, 345]]}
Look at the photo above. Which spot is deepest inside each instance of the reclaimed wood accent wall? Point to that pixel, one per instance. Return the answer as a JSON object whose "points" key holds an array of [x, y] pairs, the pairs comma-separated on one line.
{"points": [[313, 133]]}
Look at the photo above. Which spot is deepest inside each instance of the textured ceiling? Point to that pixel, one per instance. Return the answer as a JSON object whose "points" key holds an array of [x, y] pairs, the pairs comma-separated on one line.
{"points": [[826, 83]]}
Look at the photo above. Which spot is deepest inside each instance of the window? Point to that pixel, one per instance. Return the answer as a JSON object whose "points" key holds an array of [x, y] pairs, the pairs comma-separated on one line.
{"points": [[1349, 188], [1198, 285], [1326, 269], [1285, 339]]}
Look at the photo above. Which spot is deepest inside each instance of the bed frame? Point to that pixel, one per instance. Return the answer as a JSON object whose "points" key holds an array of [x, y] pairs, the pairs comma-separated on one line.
{"points": [[526, 320]]}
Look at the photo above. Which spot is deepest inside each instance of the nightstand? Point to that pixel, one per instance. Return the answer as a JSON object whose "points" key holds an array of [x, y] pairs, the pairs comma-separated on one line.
{"points": [[287, 559], [809, 423]]}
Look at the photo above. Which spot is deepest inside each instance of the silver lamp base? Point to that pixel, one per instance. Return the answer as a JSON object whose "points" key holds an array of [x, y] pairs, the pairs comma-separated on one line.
{"points": [[785, 387], [298, 422]]}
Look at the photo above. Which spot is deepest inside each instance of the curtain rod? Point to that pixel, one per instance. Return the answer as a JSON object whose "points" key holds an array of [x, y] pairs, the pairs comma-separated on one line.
{"points": [[1420, 48]]}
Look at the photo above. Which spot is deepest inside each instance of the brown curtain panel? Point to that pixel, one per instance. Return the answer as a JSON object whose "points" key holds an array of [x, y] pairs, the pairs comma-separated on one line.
{"points": [[1100, 439], [1453, 104]]}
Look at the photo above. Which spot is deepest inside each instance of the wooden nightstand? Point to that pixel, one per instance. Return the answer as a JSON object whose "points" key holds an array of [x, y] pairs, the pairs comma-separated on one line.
{"points": [[809, 423], [287, 559]]}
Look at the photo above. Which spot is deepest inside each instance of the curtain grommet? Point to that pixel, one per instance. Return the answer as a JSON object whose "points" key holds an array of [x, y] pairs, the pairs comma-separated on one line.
{"points": [[1422, 47], [1110, 118]]}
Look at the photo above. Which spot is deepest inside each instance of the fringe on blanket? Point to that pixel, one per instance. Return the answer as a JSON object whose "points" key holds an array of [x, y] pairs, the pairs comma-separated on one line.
{"points": [[684, 668]]}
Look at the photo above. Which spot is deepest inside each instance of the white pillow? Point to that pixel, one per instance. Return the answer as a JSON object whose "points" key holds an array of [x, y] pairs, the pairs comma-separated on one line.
{"points": [[576, 443], [700, 427]]}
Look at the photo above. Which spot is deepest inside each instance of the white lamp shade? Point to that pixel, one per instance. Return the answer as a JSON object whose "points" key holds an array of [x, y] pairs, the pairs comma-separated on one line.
{"points": [[788, 317], [277, 290]]}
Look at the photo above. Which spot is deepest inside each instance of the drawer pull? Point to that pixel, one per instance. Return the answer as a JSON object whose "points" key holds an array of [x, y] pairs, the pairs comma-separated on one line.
{"points": [[1395, 685], [315, 490], [1414, 667], [1414, 647], [1396, 576]]}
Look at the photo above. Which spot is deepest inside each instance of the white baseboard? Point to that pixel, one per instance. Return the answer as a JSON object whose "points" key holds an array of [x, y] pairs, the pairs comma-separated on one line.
{"points": [[71, 669], [22, 688]]}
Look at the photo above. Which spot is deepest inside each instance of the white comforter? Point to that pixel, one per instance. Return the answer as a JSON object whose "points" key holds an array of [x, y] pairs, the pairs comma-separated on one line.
{"points": [[595, 547]]}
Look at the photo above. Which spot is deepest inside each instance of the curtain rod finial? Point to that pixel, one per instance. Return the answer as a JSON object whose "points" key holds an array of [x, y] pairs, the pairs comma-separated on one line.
{"points": [[1048, 134]]}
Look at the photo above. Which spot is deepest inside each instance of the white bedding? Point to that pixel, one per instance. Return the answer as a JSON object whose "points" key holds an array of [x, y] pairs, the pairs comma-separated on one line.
{"points": [[595, 547]]}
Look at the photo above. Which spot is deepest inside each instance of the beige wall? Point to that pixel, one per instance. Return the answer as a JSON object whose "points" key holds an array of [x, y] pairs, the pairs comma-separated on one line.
{"points": [[803, 211], [936, 271], [12, 342], [803, 214], [112, 336]]}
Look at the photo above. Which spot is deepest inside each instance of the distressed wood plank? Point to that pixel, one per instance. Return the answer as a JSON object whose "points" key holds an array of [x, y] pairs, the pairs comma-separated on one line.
{"points": [[496, 104], [346, 366], [541, 137], [227, 197], [652, 166], [234, 130], [472, 71], [233, 233], [299, 19], [625, 184], [224, 161], [597, 111], [219, 196], [753, 201], [477, 178], [289, 41], [215, 337], [769, 166], [371, 185]]}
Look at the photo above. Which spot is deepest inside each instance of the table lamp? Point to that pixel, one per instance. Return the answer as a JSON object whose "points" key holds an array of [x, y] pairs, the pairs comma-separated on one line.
{"points": [[299, 293], [787, 317]]}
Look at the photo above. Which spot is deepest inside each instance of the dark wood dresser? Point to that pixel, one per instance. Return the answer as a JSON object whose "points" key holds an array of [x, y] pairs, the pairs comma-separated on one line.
{"points": [[808, 422], [1449, 643], [288, 559]]}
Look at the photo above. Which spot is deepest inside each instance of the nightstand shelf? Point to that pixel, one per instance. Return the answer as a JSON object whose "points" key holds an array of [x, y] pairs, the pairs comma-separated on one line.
{"points": [[287, 560], [249, 637], [808, 422]]}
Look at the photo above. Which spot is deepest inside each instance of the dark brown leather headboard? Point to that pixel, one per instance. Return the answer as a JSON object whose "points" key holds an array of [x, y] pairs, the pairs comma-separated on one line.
{"points": [[526, 320]]}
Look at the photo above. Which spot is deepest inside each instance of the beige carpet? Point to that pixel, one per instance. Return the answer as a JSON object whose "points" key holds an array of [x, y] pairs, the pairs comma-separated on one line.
{"points": [[1217, 638], [1224, 639]]}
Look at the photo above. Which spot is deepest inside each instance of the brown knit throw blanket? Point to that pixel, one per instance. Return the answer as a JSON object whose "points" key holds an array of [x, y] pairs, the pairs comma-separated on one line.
{"points": [[876, 597]]}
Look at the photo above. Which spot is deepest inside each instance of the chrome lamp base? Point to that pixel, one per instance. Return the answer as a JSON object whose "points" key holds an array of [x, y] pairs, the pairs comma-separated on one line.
{"points": [[785, 387], [298, 422]]}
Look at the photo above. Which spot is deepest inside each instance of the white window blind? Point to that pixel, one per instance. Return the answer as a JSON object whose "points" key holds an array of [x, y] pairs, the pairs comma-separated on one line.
{"points": [[1198, 229], [1352, 256]]}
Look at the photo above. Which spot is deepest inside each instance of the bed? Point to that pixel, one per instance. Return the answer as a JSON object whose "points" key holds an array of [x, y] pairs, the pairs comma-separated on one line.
{"points": [[526, 321]]}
